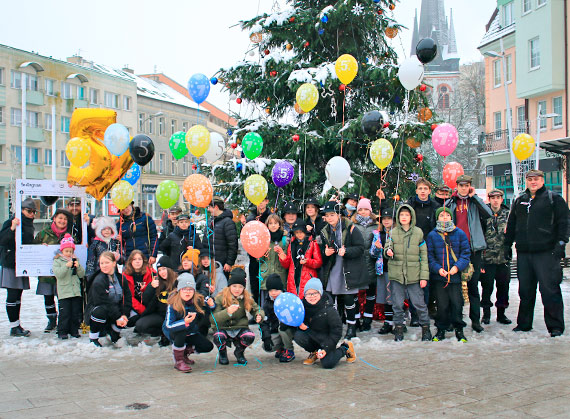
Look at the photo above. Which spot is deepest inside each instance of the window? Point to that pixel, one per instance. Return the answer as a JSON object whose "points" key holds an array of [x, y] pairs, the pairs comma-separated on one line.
{"points": [[161, 126], [556, 108], [508, 14], [111, 100], [141, 122], [173, 166], [521, 119], [127, 103], [161, 158], [151, 125], [16, 82], [94, 96], [47, 122], [34, 119], [541, 109], [443, 102], [66, 91], [526, 6], [81, 93], [173, 125], [534, 50], [2, 154], [17, 153], [47, 157], [497, 122], [185, 166], [63, 160], [16, 117], [1, 115], [497, 73], [65, 123], [540, 3], [50, 87], [32, 81], [150, 166], [1, 76], [185, 126], [509, 65], [33, 155]]}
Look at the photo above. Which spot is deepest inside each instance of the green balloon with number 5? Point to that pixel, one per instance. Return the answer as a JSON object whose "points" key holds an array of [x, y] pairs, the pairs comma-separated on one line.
{"points": [[177, 145]]}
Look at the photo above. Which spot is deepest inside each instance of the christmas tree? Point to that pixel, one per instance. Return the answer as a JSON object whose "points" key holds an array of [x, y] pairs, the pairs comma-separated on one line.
{"points": [[300, 45]]}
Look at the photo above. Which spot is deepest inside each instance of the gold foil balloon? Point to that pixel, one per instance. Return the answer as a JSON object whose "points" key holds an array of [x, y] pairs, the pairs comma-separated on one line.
{"points": [[78, 151], [198, 140], [122, 194], [198, 190]]}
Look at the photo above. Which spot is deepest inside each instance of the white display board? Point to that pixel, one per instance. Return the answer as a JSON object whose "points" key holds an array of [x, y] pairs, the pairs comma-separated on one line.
{"points": [[37, 259]]}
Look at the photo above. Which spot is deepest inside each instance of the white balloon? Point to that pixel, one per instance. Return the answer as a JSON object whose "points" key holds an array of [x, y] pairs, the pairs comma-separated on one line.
{"points": [[337, 171], [216, 149], [411, 73]]}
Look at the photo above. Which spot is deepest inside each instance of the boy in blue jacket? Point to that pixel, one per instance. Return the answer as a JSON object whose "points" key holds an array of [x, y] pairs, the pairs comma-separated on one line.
{"points": [[448, 255]]}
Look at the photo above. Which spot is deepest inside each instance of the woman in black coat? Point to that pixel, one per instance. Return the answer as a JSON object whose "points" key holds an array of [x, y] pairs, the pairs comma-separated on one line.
{"points": [[110, 301], [15, 285]]}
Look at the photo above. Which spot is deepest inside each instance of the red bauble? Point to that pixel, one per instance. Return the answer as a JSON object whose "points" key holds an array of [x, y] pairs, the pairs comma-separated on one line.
{"points": [[266, 52], [423, 88], [273, 73], [433, 126], [238, 100], [306, 44], [386, 124], [194, 167], [292, 19], [380, 11], [342, 87], [419, 157], [296, 137], [233, 145]]}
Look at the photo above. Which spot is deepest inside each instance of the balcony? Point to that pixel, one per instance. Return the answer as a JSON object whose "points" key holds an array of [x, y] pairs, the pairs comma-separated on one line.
{"points": [[33, 98], [72, 104], [497, 141], [34, 171], [34, 134]]}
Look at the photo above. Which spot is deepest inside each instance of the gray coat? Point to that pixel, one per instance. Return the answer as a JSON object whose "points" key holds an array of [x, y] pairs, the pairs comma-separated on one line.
{"points": [[477, 213]]}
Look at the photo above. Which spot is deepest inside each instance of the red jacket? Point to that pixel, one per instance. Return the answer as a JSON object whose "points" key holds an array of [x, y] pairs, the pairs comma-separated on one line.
{"points": [[138, 306], [308, 270]]}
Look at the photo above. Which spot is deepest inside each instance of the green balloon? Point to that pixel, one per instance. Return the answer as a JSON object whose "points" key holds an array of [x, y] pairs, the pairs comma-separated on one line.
{"points": [[167, 193], [252, 144], [177, 145]]}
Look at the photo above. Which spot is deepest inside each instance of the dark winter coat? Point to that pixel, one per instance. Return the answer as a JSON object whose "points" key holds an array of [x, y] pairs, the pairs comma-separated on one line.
{"points": [[537, 225], [308, 270], [224, 247], [138, 232], [271, 323], [99, 296], [174, 321], [168, 228], [368, 236], [8, 240], [323, 322], [439, 254], [137, 302], [177, 243], [495, 236], [253, 215], [425, 213], [477, 213], [318, 225], [355, 270], [96, 250], [154, 303]]}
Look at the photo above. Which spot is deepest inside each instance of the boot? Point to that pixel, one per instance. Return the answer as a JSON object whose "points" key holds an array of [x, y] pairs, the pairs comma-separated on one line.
{"points": [[399, 333], [350, 353], [287, 356], [179, 363], [459, 335], [163, 341], [311, 359], [19, 331], [189, 350], [114, 335], [501, 318], [475, 325], [358, 325], [350, 332], [366, 324], [238, 352], [52, 323], [486, 319], [223, 356], [414, 322], [440, 335], [386, 328], [96, 343], [426, 334]]}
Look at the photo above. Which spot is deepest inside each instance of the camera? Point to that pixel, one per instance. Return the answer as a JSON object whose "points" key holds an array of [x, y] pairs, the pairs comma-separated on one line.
{"points": [[73, 268]]}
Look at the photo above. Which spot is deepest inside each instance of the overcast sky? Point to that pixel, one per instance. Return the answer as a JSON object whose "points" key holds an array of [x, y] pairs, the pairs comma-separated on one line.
{"points": [[180, 38]]}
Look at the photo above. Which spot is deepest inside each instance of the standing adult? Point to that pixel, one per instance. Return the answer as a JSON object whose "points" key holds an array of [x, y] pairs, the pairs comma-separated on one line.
{"points": [[495, 266], [137, 231], [224, 246], [469, 214], [442, 194], [170, 224], [76, 228], [290, 214], [15, 285], [258, 213], [52, 234], [538, 223]]}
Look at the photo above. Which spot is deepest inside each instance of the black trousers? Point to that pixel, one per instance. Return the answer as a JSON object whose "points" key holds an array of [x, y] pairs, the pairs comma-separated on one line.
{"points": [[370, 301], [199, 342], [254, 278], [13, 303], [49, 304], [150, 324], [100, 321], [449, 301], [310, 345], [70, 315], [473, 288], [501, 273], [348, 303], [544, 269]]}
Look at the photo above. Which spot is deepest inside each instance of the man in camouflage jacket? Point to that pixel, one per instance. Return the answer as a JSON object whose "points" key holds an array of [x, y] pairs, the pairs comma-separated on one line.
{"points": [[495, 266]]}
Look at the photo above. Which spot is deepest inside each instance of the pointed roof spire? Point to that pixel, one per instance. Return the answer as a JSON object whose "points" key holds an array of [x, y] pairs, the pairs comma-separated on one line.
{"points": [[452, 42], [415, 36]]}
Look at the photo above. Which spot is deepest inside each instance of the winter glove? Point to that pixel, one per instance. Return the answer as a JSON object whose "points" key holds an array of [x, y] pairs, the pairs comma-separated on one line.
{"points": [[560, 250], [508, 252], [267, 345]]}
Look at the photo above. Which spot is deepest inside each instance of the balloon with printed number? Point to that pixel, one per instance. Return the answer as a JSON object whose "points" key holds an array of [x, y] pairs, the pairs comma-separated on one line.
{"points": [[217, 148], [252, 144], [198, 140], [451, 172], [141, 148], [122, 194], [116, 139], [255, 238], [444, 139], [78, 151], [133, 174], [523, 146], [199, 87], [346, 68], [307, 97], [289, 309], [382, 153], [282, 173], [255, 188], [177, 145], [198, 190], [411, 73], [167, 193], [337, 171]]}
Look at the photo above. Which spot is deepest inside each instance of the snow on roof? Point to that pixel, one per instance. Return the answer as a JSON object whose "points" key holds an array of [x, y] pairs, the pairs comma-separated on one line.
{"points": [[446, 55], [496, 31]]}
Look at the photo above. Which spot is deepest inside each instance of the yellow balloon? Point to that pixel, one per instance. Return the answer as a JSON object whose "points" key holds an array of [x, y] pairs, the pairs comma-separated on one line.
{"points": [[255, 189], [78, 151], [523, 146], [307, 96], [122, 194], [198, 140], [382, 153], [346, 68]]}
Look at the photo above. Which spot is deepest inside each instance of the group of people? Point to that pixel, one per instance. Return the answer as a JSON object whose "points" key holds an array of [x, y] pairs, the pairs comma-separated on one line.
{"points": [[417, 256]]}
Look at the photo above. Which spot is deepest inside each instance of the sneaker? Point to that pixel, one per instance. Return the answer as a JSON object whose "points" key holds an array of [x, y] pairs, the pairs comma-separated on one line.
{"points": [[459, 335], [96, 343], [19, 331], [350, 352], [279, 352], [440, 335], [385, 329], [311, 359], [287, 356]]}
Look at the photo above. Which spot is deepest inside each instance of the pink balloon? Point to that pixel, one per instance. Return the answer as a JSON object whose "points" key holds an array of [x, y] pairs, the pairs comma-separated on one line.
{"points": [[255, 238], [444, 139], [451, 172]]}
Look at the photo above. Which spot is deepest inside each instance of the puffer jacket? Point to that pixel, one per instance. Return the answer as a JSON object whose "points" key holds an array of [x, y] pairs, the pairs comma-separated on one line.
{"points": [[99, 296], [376, 253], [48, 236], [174, 321], [96, 250], [367, 233], [308, 270], [477, 213], [68, 285], [441, 256], [409, 265], [270, 263], [8, 240], [137, 302], [177, 243], [138, 232], [495, 227], [238, 320], [323, 322], [224, 245]]}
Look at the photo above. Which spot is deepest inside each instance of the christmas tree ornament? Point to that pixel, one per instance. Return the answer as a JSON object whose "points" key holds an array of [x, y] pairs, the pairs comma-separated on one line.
{"points": [[391, 32], [380, 11], [411, 73], [386, 125], [413, 143], [424, 114], [419, 158], [242, 154], [358, 9], [307, 96], [306, 44], [273, 73], [423, 88], [289, 47], [396, 198], [523, 146], [414, 177], [392, 6], [233, 96], [346, 68], [266, 52], [238, 100], [239, 167], [426, 50], [321, 31], [382, 153], [251, 53], [194, 167], [324, 19], [372, 122], [267, 111], [229, 132], [199, 87], [444, 139], [214, 81], [256, 37], [433, 126], [342, 87], [292, 19], [233, 145], [296, 137], [376, 1]]}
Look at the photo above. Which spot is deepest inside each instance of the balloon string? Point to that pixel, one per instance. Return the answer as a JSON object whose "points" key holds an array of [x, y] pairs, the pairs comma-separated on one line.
{"points": [[342, 130], [277, 199], [304, 166]]}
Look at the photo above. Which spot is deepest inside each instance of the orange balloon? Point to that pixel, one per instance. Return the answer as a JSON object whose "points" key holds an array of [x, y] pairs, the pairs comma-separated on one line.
{"points": [[424, 114], [255, 238], [198, 190], [298, 109]]}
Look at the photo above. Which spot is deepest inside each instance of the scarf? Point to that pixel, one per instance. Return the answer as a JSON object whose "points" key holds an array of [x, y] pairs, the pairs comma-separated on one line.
{"points": [[56, 230], [364, 221], [444, 226], [276, 236], [313, 309], [336, 234]]}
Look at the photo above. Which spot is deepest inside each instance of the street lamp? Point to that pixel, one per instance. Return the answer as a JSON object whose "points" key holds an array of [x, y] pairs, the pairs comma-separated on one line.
{"points": [[539, 119]]}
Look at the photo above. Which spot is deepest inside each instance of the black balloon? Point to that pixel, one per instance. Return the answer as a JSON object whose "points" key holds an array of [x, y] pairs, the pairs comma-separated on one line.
{"points": [[141, 148], [49, 200], [426, 50], [372, 123]]}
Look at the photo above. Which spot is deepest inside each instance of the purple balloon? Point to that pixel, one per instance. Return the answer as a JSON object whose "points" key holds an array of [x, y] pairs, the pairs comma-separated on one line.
{"points": [[282, 173]]}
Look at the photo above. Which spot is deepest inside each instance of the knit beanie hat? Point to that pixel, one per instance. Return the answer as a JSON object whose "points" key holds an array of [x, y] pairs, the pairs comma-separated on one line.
{"points": [[314, 284], [66, 242], [237, 276], [29, 203], [440, 210], [274, 282], [193, 255], [364, 203], [164, 262], [186, 280], [102, 223]]}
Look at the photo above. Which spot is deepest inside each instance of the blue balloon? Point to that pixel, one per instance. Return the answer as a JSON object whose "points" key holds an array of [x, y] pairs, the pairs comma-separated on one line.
{"points": [[289, 309], [117, 139], [199, 87], [133, 174]]}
